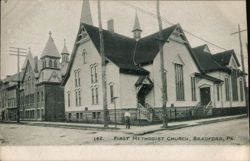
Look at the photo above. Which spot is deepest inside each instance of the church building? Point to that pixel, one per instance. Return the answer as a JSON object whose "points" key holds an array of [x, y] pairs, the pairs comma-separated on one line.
{"points": [[41, 93], [199, 83]]}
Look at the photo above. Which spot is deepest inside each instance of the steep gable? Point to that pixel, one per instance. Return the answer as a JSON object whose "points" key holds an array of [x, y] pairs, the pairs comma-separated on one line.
{"points": [[29, 71], [127, 53], [224, 58], [206, 60]]}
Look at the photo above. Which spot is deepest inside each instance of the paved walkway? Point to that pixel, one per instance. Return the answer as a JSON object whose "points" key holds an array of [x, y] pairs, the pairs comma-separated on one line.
{"points": [[136, 130]]}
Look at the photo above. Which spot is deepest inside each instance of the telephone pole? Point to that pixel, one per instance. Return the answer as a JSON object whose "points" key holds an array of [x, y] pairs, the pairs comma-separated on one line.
{"points": [[104, 81], [243, 65], [163, 73], [18, 52]]}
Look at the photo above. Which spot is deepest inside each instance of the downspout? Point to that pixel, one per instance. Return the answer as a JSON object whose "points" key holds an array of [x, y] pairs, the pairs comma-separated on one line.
{"points": [[230, 90], [214, 94], [221, 95]]}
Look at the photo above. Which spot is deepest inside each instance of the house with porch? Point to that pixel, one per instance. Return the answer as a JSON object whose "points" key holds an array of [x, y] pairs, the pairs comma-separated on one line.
{"points": [[194, 86]]}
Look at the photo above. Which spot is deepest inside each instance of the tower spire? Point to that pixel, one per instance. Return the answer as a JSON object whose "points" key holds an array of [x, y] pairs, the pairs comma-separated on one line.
{"points": [[65, 50], [86, 13], [137, 28], [65, 54]]}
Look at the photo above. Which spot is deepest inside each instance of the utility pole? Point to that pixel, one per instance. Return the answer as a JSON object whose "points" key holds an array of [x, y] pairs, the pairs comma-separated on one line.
{"points": [[18, 52], [243, 65], [163, 73], [104, 83]]}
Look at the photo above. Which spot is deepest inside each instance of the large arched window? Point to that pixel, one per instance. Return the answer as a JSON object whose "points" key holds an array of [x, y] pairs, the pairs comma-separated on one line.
{"points": [[55, 64], [50, 63]]}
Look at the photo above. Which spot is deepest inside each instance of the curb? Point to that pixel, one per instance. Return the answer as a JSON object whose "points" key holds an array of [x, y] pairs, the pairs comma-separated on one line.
{"points": [[65, 126], [187, 125], [73, 127], [113, 129]]}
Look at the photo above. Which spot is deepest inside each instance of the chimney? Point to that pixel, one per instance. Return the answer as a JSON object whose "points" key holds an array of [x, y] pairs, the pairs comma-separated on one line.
{"points": [[36, 63], [110, 25]]}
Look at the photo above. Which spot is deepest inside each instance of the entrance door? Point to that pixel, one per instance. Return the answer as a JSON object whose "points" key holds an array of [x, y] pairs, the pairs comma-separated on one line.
{"points": [[141, 96], [205, 95], [141, 99]]}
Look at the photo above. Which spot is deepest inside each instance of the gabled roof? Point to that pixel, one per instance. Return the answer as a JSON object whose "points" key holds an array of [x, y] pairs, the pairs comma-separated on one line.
{"points": [[50, 49], [29, 58], [206, 61], [126, 52], [141, 79], [118, 48], [13, 78], [224, 57], [25, 71], [148, 47], [208, 77]]}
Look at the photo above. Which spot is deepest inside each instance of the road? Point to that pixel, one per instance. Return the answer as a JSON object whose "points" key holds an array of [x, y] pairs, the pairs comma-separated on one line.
{"points": [[232, 132]]}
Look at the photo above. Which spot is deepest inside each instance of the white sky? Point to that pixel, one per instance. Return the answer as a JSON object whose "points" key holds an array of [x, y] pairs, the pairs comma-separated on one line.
{"points": [[26, 23]]}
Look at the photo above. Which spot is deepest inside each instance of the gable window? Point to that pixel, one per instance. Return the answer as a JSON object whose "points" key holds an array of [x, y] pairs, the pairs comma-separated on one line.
{"points": [[84, 56], [241, 90], [50, 63], [218, 92], [227, 89], [68, 99], [179, 83], [234, 81], [193, 85]]}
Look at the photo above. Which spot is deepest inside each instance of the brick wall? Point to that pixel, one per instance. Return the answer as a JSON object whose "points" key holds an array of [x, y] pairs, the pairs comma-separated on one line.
{"points": [[54, 102]]}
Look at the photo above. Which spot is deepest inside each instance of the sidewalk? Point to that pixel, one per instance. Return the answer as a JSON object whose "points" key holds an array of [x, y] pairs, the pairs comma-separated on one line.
{"points": [[136, 130]]}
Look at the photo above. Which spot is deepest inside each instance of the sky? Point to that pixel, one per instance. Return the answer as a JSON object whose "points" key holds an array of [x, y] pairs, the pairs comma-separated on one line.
{"points": [[26, 23]]}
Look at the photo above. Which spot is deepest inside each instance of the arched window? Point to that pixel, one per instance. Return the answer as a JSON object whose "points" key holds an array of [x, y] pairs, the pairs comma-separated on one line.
{"points": [[50, 63], [55, 64]]}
